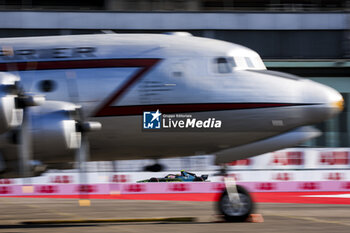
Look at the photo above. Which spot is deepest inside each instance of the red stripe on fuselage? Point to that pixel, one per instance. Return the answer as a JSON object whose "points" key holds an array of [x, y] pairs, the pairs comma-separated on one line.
{"points": [[77, 64], [103, 110]]}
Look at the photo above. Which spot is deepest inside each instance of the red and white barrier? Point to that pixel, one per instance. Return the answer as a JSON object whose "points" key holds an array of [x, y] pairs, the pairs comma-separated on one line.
{"points": [[289, 159], [289, 170], [167, 188], [298, 158]]}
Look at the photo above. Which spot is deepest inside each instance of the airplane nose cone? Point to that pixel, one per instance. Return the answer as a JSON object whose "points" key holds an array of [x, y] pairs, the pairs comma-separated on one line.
{"points": [[338, 105], [326, 102]]}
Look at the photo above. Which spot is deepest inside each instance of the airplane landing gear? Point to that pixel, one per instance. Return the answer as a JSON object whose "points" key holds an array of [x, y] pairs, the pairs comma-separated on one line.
{"points": [[237, 206]]}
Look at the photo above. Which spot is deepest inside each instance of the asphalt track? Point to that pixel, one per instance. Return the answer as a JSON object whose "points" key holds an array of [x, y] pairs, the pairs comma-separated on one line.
{"points": [[278, 217], [261, 197]]}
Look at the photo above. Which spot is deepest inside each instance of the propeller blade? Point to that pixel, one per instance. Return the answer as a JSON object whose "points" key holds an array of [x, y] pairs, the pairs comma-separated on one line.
{"points": [[25, 150], [83, 155]]}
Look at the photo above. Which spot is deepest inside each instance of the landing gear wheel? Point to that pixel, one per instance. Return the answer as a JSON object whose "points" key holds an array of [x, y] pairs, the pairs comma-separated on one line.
{"points": [[236, 209]]}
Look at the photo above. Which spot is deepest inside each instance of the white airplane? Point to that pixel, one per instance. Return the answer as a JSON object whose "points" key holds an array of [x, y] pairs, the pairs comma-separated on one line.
{"points": [[155, 96]]}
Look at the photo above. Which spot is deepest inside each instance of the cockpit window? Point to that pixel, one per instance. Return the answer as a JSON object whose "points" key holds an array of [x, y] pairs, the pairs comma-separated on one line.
{"points": [[231, 61], [249, 62], [258, 63], [223, 66]]}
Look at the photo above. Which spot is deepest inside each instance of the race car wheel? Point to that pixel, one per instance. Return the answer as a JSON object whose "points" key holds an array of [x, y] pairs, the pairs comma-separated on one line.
{"points": [[236, 209], [198, 179], [153, 179]]}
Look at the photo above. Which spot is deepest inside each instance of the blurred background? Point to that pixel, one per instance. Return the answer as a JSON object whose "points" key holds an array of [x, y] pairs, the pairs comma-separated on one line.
{"points": [[308, 38]]}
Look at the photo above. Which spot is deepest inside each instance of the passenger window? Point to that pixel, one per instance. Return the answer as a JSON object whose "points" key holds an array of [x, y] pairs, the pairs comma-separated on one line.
{"points": [[223, 65], [47, 85], [249, 62]]}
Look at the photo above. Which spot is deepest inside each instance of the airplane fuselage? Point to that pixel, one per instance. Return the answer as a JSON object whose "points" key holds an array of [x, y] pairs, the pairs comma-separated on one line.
{"points": [[116, 78]]}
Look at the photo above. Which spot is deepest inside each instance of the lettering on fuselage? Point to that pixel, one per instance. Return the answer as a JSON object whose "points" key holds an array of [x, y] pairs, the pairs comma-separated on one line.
{"points": [[7, 53]]}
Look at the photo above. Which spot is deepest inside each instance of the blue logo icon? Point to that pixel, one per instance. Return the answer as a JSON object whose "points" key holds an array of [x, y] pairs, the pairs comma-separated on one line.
{"points": [[151, 120]]}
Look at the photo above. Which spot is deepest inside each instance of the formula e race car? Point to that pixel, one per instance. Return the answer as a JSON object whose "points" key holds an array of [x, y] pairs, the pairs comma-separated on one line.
{"points": [[183, 177]]}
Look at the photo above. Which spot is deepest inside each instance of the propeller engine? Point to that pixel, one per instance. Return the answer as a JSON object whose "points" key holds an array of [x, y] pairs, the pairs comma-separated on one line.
{"points": [[13, 100], [8, 98]]}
